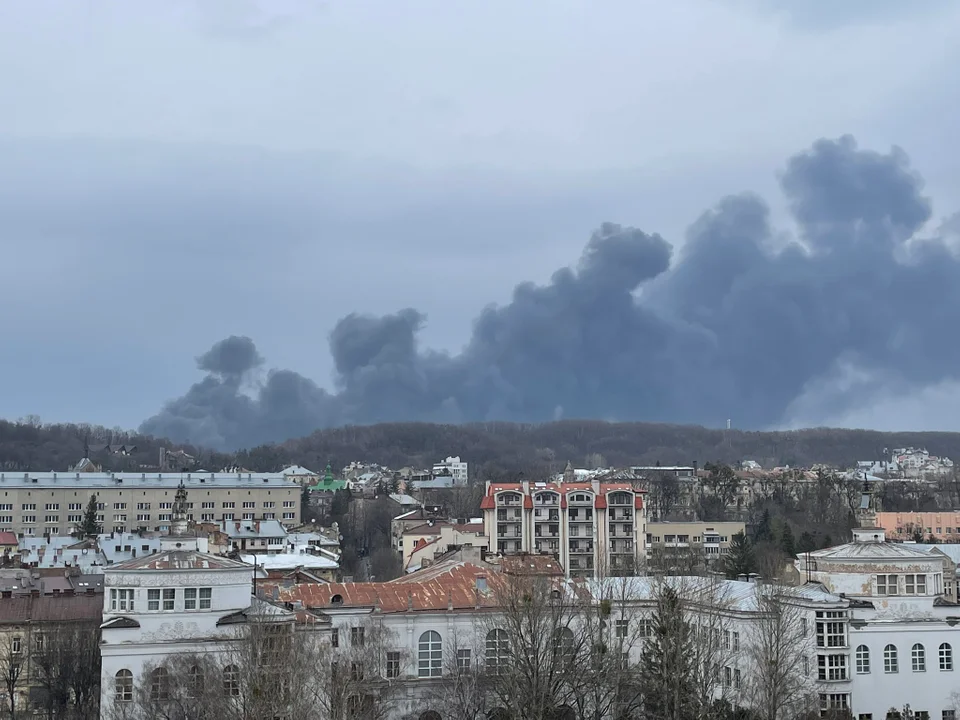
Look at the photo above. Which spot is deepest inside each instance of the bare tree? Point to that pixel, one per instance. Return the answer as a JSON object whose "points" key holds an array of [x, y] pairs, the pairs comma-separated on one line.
{"points": [[777, 650], [66, 668], [11, 670], [463, 690]]}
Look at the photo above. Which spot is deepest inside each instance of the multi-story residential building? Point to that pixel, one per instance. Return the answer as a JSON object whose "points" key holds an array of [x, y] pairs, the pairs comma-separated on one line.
{"points": [[592, 528], [686, 545], [940, 526], [454, 467], [53, 503]]}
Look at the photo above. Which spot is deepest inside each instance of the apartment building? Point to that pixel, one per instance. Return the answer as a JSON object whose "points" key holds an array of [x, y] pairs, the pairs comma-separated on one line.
{"points": [[686, 545], [942, 526], [53, 503], [590, 527]]}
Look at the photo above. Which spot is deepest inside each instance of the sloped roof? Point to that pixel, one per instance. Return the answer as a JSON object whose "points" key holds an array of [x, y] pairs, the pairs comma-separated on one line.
{"points": [[453, 586], [870, 551], [297, 470], [179, 560], [50, 608]]}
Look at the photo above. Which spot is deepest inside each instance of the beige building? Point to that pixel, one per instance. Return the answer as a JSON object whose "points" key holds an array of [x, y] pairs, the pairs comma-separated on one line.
{"points": [[421, 544], [53, 503], [592, 528], [684, 544]]}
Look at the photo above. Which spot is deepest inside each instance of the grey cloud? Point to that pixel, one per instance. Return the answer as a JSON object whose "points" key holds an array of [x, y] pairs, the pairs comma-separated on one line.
{"points": [[232, 357], [744, 324]]}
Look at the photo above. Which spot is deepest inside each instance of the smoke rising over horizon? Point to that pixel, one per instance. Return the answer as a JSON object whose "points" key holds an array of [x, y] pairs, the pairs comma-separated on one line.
{"points": [[743, 322]]}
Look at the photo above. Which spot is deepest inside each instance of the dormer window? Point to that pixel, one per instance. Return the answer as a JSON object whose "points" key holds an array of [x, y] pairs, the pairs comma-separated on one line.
{"points": [[336, 600]]}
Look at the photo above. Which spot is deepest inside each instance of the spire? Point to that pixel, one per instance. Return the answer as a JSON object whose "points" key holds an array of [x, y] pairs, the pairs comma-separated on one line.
{"points": [[328, 475], [179, 511]]}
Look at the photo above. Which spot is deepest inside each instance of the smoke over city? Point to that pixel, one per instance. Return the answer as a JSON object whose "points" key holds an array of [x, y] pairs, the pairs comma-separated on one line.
{"points": [[745, 321]]}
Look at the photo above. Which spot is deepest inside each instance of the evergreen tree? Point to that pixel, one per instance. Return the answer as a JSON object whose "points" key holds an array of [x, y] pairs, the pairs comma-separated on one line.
{"points": [[666, 668], [740, 558], [764, 530], [806, 543], [89, 528], [787, 544]]}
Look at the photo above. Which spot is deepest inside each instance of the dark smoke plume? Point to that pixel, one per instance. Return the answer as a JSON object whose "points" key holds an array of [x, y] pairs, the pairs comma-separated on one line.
{"points": [[742, 324]]}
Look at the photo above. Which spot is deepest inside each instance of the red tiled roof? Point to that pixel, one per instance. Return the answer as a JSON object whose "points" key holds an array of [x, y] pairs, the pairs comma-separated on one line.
{"points": [[531, 565], [50, 608], [8, 538], [487, 503], [470, 528], [454, 587]]}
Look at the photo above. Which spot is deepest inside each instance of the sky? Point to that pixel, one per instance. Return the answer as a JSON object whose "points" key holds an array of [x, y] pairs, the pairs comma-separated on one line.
{"points": [[174, 174]]}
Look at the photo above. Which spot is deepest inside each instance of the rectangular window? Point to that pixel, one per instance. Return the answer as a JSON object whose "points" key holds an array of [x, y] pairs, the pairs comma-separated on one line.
{"points": [[164, 517], [6, 506], [646, 627], [831, 632], [74, 518], [335, 638], [289, 516], [52, 506], [736, 641], [887, 585], [206, 516], [393, 664], [248, 516], [206, 594], [727, 677], [269, 516], [832, 667], [143, 506], [832, 701], [736, 678], [28, 506], [288, 503], [153, 599], [51, 518], [190, 599], [463, 659], [16, 646], [119, 506], [228, 516], [229, 505], [29, 518], [915, 584], [207, 505], [119, 518], [121, 599], [166, 505], [6, 518], [356, 636], [143, 517], [169, 596], [249, 504], [269, 504], [622, 626], [949, 715]]}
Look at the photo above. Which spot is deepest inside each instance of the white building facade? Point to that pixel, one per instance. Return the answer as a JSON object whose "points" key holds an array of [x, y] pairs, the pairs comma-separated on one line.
{"points": [[457, 469]]}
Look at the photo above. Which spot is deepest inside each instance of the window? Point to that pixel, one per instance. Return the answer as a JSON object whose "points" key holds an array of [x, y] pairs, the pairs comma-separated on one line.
{"points": [[248, 516], [356, 636], [463, 660], [16, 645], [140, 506], [831, 630], [168, 596], [123, 686], [208, 505], [248, 505], [832, 701], [949, 715], [51, 518], [727, 676], [646, 627], [163, 517], [269, 516], [863, 660], [159, 684], [832, 667], [269, 504], [52, 506], [116, 506], [288, 503], [206, 594], [29, 518], [206, 516], [166, 505], [393, 664], [430, 655], [497, 651], [231, 681], [886, 584], [915, 584], [622, 626], [946, 657], [228, 516], [141, 517], [75, 518], [890, 664], [736, 678], [190, 599], [38, 642], [229, 505], [121, 600], [356, 671], [335, 638], [195, 682], [289, 516], [918, 658], [119, 518], [28, 506]]}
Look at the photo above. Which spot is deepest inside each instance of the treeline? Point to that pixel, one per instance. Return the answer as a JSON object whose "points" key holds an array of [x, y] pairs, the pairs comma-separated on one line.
{"points": [[494, 450]]}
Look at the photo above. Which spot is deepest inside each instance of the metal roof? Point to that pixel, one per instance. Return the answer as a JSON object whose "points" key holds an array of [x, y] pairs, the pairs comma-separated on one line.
{"points": [[168, 480], [179, 560]]}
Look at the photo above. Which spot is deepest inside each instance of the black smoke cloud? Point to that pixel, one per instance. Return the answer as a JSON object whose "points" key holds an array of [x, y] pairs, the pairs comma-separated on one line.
{"points": [[742, 323]]}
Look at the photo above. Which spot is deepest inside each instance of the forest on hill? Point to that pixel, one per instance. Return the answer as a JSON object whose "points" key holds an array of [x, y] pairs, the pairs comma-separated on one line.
{"points": [[493, 450]]}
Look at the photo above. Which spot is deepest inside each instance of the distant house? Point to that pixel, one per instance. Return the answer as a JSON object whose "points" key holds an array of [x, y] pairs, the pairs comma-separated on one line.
{"points": [[300, 474]]}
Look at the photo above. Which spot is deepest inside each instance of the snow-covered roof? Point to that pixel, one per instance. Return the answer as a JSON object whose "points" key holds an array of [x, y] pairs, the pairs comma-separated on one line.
{"points": [[298, 470], [291, 561]]}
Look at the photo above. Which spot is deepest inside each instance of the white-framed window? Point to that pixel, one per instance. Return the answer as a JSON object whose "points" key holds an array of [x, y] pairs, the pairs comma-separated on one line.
{"points": [[51, 518], [229, 505], [119, 518], [248, 504], [121, 599], [119, 506], [393, 664], [6, 507], [832, 667], [143, 517], [206, 594], [6, 519], [52, 506], [28, 506], [429, 655], [29, 518], [248, 516], [915, 584], [831, 629], [863, 660], [464, 659], [123, 686], [269, 516], [887, 585], [622, 626], [231, 681], [289, 516], [890, 661], [164, 517], [16, 645], [75, 518], [289, 503], [497, 653], [207, 505], [918, 658], [161, 599], [228, 516], [833, 701], [166, 505], [269, 504], [946, 657]]}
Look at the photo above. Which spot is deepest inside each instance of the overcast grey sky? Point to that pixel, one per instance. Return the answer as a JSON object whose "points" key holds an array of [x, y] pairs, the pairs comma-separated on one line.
{"points": [[175, 172]]}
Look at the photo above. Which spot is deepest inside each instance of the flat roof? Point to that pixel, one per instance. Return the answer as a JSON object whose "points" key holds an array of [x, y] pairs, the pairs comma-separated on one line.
{"points": [[168, 480]]}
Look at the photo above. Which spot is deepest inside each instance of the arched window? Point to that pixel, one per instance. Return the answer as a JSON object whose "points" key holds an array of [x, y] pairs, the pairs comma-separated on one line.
{"points": [[497, 651], [890, 664], [195, 682], [123, 686], [231, 681], [863, 660], [946, 656], [159, 684], [918, 658], [430, 655]]}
